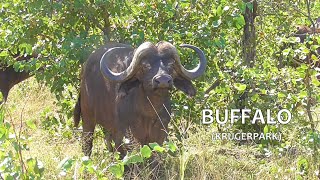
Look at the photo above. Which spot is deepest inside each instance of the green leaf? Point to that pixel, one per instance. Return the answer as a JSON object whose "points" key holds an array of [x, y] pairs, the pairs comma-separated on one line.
{"points": [[315, 81], [230, 63], [281, 95], [31, 164], [255, 97], [266, 129], [16, 146], [286, 52], [314, 58], [146, 151], [219, 10], [189, 34], [117, 170], [66, 163], [250, 6], [315, 47], [242, 6], [17, 66], [185, 4], [240, 87], [306, 51], [240, 22], [213, 10], [302, 68], [35, 166], [3, 131], [152, 145], [263, 91], [172, 147], [303, 94], [303, 164], [26, 48], [158, 149], [5, 5], [30, 123], [4, 53], [135, 159]]}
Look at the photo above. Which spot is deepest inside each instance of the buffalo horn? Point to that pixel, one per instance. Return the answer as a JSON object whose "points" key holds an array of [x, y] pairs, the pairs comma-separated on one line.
{"points": [[197, 71], [142, 50]]}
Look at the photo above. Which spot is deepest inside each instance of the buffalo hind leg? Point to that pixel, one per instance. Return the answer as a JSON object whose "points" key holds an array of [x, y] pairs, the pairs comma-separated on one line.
{"points": [[87, 137], [5, 94], [87, 142]]}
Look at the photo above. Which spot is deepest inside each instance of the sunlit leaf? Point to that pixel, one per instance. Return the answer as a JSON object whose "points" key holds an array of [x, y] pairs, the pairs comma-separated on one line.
{"points": [[240, 87], [66, 163], [286, 51], [117, 170], [30, 123], [303, 94], [146, 151]]}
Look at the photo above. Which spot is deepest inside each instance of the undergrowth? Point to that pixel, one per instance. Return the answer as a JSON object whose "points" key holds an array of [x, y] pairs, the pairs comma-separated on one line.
{"points": [[39, 143]]}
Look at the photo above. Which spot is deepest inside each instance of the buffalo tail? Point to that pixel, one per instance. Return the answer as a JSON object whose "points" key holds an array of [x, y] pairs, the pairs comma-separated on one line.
{"points": [[77, 113]]}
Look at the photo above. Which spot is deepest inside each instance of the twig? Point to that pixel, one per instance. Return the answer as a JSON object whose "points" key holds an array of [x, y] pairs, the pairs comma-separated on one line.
{"points": [[309, 15], [298, 10], [17, 137], [309, 89], [18, 140], [1, 176], [164, 128], [214, 85], [23, 166]]}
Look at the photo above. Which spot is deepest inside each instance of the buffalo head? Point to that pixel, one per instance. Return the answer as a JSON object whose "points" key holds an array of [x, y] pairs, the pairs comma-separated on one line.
{"points": [[157, 68]]}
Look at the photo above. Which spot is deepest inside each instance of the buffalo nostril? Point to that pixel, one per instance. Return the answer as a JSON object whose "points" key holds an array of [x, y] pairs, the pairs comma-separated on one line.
{"points": [[156, 81], [163, 81]]}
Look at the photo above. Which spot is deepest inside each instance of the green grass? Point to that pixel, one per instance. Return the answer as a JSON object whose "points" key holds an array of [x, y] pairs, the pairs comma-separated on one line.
{"points": [[200, 157]]}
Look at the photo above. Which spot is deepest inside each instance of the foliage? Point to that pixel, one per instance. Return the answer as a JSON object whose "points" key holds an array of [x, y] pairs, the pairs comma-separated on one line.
{"points": [[11, 144], [116, 168], [62, 34]]}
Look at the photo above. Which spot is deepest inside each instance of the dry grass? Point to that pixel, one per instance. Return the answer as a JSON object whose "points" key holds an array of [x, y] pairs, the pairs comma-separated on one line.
{"points": [[28, 101], [201, 157]]}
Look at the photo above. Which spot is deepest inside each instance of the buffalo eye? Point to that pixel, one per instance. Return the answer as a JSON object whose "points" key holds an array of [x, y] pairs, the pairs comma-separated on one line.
{"points": [[146, 66], [170, 66]]}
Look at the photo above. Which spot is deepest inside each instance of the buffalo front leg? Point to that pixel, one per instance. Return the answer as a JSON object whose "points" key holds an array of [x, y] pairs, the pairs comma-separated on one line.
{"points": [[87, 137], [119, 144], [107, 139]]}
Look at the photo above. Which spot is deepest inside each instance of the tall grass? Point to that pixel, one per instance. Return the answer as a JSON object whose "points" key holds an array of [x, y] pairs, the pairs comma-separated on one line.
{"points": [[198, 157]]}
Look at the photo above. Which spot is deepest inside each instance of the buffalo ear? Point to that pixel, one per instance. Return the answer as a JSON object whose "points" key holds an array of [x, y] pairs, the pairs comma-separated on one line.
{"points": [[126, 86], [185, 86]]}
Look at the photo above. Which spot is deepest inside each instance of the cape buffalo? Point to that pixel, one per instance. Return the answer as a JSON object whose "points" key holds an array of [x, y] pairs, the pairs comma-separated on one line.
{"points": [[9, 77], [302, 32], [125, 89]]}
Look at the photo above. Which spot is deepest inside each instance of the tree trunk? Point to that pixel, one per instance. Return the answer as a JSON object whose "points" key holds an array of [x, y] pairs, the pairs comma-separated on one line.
{"points": [[249, 47], [249, 33]]}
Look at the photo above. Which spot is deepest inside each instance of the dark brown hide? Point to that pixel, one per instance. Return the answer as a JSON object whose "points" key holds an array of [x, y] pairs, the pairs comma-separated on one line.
{"points": [[303, 31], [9, 77], [317, 24], [139, 104]]}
